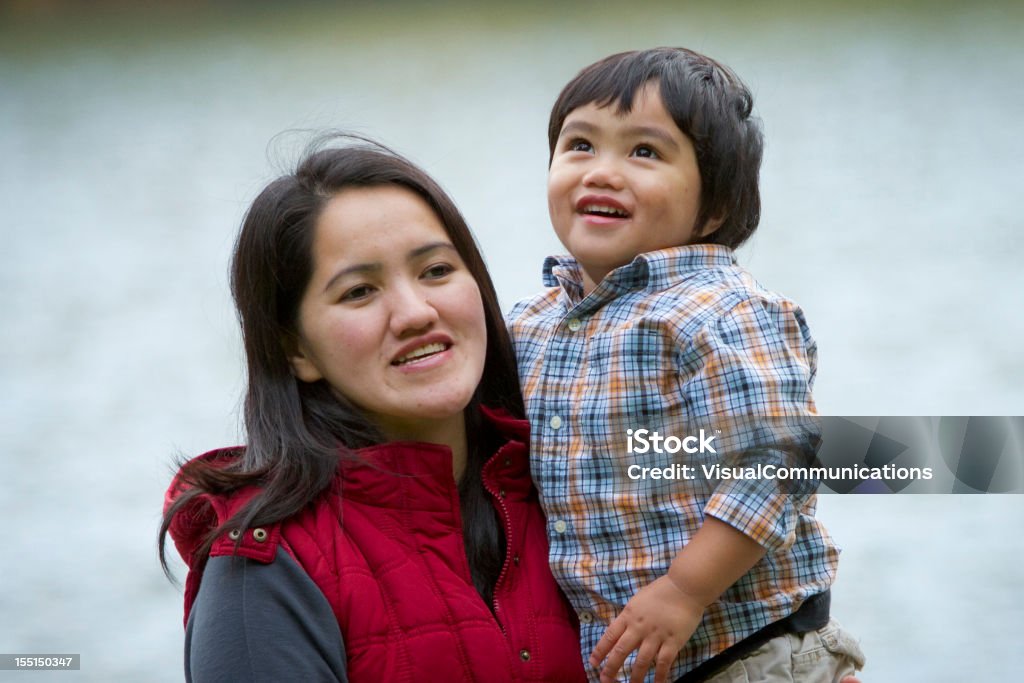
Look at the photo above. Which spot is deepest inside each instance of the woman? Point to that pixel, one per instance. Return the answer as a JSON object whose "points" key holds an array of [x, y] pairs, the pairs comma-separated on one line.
{"points": [[380, 525]]}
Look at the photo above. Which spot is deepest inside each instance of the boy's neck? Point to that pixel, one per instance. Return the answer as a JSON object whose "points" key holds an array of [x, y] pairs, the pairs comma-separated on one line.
{"points": [[589, 285], [593, 276]]}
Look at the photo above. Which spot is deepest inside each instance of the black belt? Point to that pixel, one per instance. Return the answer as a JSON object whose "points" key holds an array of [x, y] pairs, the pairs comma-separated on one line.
{"points": [[811, 616]]}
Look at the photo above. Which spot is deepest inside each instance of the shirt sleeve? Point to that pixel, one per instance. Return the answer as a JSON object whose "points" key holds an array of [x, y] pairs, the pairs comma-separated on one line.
{"points": [[262, 622], [752, 368]]}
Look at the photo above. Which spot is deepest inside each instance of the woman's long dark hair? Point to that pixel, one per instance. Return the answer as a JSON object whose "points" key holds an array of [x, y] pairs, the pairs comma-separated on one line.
{"points": [[299, 432]]}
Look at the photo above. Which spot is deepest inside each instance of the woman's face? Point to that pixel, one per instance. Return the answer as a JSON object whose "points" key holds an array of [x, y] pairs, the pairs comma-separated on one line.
{"points": [[391, 318]]}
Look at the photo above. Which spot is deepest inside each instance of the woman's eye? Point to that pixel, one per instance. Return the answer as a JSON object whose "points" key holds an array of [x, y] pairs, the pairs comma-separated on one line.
{"points": [[437, 271], [356, 293], [645, 152], [580, 146]]}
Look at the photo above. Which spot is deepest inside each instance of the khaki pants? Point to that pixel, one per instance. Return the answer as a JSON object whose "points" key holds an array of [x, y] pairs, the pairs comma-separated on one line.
{"points": [[822, 656]]}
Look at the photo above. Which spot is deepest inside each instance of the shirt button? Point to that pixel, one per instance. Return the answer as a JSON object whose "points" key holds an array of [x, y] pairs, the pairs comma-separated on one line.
{"points": [[524, 655], [575, 325], [556, 422], [515, 560], [561, 526], [501, 492], [586, 617]]}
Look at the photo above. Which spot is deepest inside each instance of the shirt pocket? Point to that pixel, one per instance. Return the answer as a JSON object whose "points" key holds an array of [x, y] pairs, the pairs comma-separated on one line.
{"points": [[631, 382]]}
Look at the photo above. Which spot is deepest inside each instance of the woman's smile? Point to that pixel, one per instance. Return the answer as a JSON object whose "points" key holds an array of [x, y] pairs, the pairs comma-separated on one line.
{"points": [[422, 351]]}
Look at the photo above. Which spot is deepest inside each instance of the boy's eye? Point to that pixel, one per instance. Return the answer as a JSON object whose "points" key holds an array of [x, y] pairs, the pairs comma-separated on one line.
{"points": [[579, 145], [645, 152], [437, 271], [356, 293]]}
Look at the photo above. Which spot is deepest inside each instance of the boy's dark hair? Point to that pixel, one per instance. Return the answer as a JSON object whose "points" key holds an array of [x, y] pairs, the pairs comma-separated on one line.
{"points": [[709, 104]]}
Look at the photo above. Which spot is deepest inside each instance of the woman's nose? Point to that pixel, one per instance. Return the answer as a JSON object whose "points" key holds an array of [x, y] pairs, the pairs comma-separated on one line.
{"points": [[411, 310]]}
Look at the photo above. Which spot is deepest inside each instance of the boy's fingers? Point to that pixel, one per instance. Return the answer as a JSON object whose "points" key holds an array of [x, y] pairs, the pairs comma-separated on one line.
{"points": [[617, 657], [611, 635], [666, 656], [644, 660]]}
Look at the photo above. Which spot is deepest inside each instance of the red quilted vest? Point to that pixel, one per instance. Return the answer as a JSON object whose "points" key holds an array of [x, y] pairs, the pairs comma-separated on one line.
{"points": [[388, 555]]}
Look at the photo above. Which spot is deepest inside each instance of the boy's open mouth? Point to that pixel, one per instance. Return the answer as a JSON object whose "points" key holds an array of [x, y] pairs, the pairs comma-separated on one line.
{"points": [[601, 207], [610, 211]]}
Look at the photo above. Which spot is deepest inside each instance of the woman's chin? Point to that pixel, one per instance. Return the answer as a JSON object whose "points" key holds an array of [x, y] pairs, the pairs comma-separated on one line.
{"points": [[428, 418]]}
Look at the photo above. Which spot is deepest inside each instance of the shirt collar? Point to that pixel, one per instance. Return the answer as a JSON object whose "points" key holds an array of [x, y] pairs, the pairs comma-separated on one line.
{"points": [[653, 270]]}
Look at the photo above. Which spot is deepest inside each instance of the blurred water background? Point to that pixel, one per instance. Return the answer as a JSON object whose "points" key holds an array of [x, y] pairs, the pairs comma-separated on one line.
{"points": [[133, 137]]}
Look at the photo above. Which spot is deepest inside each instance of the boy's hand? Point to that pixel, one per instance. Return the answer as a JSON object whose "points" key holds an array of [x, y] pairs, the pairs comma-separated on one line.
{"points": [[658, 621]]}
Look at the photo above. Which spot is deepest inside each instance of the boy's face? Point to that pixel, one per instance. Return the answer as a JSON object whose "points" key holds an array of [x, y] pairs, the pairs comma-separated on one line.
{"points": [[619, 186]]}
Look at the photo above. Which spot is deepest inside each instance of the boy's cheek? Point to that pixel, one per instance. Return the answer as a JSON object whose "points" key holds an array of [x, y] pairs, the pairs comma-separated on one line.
{"points": [[561, 176], [559, 194], [561, 220]]}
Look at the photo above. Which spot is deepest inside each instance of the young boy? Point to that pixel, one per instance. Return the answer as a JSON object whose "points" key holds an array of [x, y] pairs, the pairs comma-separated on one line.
{"points": [[653, 182]]}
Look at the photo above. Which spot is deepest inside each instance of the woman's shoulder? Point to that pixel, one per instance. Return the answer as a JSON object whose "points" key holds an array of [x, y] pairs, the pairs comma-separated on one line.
{"points": [[198, 514], [188, 471]]}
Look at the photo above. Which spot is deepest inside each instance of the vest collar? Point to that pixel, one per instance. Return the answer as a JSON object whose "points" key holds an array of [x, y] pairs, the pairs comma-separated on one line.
{"points": [[418, 476]]}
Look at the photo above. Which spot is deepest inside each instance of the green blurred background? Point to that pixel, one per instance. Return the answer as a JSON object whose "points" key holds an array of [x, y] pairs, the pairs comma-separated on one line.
{"points": [[133, 136]]}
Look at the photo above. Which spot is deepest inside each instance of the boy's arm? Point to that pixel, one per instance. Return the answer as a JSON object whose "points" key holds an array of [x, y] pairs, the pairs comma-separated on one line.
{"points": [[751, 371], [663, 615]]}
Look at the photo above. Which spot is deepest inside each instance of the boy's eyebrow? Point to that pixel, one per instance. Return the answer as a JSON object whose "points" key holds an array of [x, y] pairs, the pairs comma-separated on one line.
{"points": [[367, 268], [578, 127], [659, 134]]}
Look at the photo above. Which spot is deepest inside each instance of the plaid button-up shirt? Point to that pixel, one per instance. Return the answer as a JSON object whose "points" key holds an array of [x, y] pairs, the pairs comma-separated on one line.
{"points": [[678, 338]]}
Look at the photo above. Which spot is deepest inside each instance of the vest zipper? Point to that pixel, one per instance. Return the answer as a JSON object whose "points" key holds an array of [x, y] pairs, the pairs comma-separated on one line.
{"points": [[508, 539]]}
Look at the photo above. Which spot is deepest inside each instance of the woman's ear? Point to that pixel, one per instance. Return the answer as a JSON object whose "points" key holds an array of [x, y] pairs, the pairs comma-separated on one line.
{"points": [[303, 366]]}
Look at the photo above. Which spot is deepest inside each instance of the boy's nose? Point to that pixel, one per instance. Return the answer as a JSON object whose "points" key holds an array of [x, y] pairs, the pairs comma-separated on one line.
{"points": [[603, 174]]}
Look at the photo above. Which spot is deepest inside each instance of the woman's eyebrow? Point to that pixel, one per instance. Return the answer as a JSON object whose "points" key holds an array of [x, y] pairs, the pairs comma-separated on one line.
{"points": [[368, 268], [361, 268], [427, 248]]}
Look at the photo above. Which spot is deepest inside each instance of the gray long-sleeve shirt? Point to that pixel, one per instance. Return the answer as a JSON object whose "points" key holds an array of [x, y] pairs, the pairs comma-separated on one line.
{"points": [[261, 622]]}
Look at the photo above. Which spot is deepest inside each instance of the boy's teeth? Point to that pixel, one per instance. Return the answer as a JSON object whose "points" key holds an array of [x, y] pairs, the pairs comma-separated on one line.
{"points": [[427, 350], [604, 210]]}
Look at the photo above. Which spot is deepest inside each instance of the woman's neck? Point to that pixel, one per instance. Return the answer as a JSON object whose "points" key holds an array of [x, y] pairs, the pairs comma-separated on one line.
{"points": [[449, 432]]}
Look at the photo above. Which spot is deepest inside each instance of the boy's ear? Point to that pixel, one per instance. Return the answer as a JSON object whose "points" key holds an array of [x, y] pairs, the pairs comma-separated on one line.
{"points": [[710, 226], [302, 365]]}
